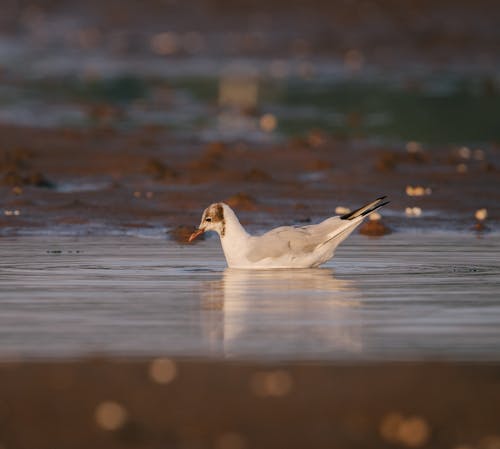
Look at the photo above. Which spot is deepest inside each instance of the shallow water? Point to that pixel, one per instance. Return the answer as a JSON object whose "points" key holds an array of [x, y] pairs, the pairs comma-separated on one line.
{"points": [[405, 296]]}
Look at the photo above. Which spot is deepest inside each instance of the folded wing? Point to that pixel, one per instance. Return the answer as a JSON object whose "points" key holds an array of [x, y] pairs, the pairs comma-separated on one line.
{"points": [[294, 241]]}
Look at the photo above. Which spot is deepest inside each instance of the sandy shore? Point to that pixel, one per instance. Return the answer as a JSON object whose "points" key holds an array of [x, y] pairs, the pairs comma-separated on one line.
{"points": [[150, 403]]}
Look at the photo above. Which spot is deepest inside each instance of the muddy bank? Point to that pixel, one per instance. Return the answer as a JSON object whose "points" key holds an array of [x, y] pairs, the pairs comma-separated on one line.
{"points": [[102, 180], [182, 403]]}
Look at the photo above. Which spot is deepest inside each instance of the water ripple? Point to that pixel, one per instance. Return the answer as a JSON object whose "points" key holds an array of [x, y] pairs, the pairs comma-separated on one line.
{"points": [[401, 297]]}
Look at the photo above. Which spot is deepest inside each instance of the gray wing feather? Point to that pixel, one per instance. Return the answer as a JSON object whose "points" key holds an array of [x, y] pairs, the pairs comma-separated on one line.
{"points": [[292, 240]]}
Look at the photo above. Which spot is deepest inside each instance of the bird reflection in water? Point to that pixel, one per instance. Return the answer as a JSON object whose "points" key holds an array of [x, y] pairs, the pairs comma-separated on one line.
{"points": [[281, 313]]}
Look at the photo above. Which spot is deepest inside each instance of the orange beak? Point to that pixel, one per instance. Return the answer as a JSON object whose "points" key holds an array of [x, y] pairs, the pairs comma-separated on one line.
{"points": [[195, 234]]}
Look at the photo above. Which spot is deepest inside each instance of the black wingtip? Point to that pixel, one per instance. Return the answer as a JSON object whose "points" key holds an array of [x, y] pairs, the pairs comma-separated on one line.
{"points": [[375, 208], [356, 213]]}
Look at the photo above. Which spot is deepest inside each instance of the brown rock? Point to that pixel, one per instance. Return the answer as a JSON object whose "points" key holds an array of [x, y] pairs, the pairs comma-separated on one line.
{"points": [[479, 226], [38, 180], [211, 157], [182, 233], [160, 171], [374, 228], [256, 175]]}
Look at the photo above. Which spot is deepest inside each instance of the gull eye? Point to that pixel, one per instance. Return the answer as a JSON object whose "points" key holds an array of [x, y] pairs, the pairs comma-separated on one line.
{"points": [[208, 219]]}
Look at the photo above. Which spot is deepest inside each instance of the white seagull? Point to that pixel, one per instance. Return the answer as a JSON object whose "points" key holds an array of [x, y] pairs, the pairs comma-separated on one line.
{"points": [[283, 247]]}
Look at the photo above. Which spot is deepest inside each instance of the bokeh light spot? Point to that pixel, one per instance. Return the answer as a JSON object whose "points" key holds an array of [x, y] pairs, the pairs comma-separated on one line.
{"points": [[413, 211], [481, 214], [413, 147], [412, 431], [341, 210], [110, 415], [163, 370], [268, 123]]}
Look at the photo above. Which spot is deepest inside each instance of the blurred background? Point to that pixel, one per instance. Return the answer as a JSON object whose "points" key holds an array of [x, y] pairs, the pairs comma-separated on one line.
{"points": [[387, 69], [393, 95]]}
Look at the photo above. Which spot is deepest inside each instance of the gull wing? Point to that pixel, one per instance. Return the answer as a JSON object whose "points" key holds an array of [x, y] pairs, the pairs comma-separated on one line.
{"points": [[292, 240]]}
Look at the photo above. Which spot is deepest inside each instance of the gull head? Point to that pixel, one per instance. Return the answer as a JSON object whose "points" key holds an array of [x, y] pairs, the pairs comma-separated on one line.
{"points": [[211, 220]]}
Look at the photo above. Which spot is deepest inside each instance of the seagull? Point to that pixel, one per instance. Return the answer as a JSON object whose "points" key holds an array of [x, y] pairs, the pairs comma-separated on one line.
{"points": [[284, 247]]}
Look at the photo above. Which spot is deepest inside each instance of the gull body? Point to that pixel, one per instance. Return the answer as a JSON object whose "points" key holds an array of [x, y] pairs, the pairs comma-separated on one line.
{"points": [[284, 247]]}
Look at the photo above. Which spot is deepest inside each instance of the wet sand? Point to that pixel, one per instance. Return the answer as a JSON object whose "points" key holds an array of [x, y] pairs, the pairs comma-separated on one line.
{"points": [[205, 404], [101, 181]]}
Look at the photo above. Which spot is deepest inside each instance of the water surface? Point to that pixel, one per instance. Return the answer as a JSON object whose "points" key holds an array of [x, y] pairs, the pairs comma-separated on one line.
{"points": [[404, 296]]}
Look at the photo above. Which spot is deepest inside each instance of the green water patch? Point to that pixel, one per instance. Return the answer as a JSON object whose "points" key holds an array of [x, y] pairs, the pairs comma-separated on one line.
{"points": [[460, 113], [121, 89]]}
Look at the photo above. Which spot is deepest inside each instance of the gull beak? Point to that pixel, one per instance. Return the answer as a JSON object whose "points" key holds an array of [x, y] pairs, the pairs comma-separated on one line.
{"points": [[195, 234]]}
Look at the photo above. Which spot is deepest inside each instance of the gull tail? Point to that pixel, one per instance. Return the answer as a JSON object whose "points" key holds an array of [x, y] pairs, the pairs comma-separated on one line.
{"points": [[366, 209], [341, 232]]}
